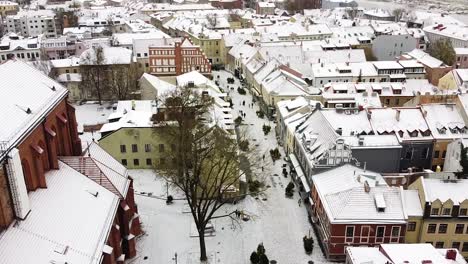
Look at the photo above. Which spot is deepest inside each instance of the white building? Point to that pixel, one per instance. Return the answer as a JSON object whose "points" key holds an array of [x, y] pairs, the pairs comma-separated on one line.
{"points": [[13, 46], [457, 34], [32, 23]]}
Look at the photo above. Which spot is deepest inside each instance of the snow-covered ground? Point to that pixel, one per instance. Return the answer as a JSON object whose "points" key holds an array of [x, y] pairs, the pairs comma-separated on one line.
{"points": [[278, 222]]}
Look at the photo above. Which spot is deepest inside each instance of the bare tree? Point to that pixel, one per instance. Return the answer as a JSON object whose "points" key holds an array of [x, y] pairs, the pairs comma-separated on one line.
{"points": [[212, 20], [205, 158], [352, 12], [123, 80], [93, 72], [398, 14]]}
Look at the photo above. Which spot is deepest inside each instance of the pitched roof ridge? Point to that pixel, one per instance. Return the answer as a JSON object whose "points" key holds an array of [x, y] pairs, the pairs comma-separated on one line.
{"points": [[102, 173]]}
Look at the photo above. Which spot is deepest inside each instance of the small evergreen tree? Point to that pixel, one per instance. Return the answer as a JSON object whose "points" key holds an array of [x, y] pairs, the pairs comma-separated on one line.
{"points": [[289, 189], [254, 258], [266, 129], [464, 160], [442, 49], [238, 120], [260, 249], [264, 259]]}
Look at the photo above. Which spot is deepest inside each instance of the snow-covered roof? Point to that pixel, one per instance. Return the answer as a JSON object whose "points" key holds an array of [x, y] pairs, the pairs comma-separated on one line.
{"points": [[425, 58], [68, 77], [445, 121], [443, 190], [122, 39], [194, 77], [459, 32], [461, 51], [266, 4], [387, 65], [358, 255], [417, 253], [162, 87], [64, 63], [53, 225], [26, 99], [372, 141], [345, 199], [352, 124], [406, 123], [131, 114], [412, 203], [111, 55]]}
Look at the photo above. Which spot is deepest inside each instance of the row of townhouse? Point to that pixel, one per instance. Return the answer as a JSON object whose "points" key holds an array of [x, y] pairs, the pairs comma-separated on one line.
{"points": [[354, 207], [58, 202]]}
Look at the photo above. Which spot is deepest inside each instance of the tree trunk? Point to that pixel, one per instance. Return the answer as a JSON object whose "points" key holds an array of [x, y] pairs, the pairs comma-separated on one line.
{"points": [[201, 236]]}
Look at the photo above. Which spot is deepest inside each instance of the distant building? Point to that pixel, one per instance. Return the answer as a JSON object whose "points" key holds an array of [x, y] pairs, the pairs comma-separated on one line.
{"points": [[8, 8], [32, 23], [457, 34], [13, 46], [265, 8], [434, 68], [332, 4], [403, 253], [461, 61], [378, 14], [178, 58]]}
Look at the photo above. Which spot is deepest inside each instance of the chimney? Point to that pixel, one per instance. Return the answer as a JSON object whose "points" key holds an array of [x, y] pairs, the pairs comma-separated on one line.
{"points": [[339, 131], [451, 254], [397, 116], [366, 187]]}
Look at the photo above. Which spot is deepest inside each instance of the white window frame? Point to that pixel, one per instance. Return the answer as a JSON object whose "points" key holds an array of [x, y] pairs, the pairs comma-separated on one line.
{"points": [[393, 237], [365, 239], [378, 238], [346, 234]]}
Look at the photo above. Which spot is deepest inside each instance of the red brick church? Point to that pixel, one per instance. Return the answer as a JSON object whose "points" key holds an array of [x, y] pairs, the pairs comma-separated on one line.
{"points": [[58, 204]]}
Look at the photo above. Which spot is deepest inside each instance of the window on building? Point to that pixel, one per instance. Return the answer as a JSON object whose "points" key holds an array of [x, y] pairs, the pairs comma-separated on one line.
{"points": [[380, 231], [465, 247], [431, 228], [123, 149], [147, 147], [424, 153], [395, 231], [456, 245], [161, 147], [138, 55], [411, 226], [134, 148], [136, 162], [149, 162], [124, 162], [349, 233], [409, 153], [463, 211], [435, 211], [459, 228], [439, 244], [446, 211], [436, 154], [162, 161], [442, 228], [443, 154]]}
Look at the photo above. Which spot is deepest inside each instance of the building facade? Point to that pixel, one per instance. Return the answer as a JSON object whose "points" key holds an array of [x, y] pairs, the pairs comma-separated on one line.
{"points": [[177, 59], [32, 23]]}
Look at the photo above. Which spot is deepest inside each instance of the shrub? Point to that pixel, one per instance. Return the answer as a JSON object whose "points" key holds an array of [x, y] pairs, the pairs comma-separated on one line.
{"points": [[244, 145], [230, 80], [241, 91], [289, 189], [266, 129], [254, 258], [260, 249], [254, 186], [260, 114], [264, 259], [308, 244], [275, 154], [238, 120]]}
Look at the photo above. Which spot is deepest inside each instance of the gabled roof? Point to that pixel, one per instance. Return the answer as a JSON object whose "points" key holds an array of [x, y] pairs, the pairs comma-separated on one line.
{"points": [[55, 222], [26, 97], [101, 167], [443, 190], [345, 199]]}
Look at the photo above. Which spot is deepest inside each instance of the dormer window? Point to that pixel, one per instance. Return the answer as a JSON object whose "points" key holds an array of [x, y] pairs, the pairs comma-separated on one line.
{"points": [[442, 130], [435, 211], [454, 130], [446, 211], [413, 133]]}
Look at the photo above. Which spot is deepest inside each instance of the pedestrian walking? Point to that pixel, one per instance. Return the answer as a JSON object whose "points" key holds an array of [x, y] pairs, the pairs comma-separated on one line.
{"points": [[299, 202], [244, 115], [243, 103], [263, 157], [262, 168]]}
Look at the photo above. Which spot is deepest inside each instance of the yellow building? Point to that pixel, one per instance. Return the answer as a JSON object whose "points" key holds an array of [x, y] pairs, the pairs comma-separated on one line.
{"points": [[415, 215], [211, 46], [8, 8], [454, 79], [445, 212]]}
